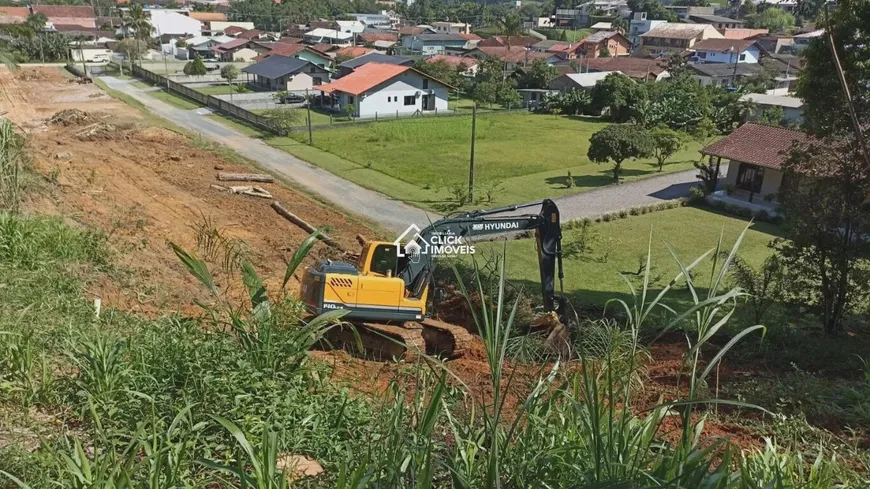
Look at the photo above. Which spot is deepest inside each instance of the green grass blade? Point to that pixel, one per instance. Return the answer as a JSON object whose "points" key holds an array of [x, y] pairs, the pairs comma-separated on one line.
{"points": [[196, 267], [300, 254]]}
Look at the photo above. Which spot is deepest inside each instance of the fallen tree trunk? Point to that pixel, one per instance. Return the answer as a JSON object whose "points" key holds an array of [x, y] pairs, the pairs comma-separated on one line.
{"points": [[244, 177], [304, 225]]}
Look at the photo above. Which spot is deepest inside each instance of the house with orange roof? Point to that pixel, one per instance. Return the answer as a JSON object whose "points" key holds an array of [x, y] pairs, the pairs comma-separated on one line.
{"points": [[467, 63], [352, 52], [381, 90]]}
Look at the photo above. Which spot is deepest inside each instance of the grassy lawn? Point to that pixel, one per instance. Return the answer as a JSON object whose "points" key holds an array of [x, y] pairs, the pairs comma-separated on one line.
{"points": [[527, 155], [592, 280], [571, 34], [215, 90], [141, 84], [174, 100]]}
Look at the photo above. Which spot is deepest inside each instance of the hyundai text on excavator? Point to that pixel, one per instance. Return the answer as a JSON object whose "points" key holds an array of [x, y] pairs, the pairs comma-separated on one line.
{"points": [[390, 290]]}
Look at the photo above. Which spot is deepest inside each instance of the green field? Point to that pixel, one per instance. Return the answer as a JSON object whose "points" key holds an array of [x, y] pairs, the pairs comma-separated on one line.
{"points": [[527, 155], [215, 90], [592, 280]]}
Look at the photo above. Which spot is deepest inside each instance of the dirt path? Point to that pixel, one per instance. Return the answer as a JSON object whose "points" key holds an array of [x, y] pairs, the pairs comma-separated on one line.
{"points": [[394, 215]]}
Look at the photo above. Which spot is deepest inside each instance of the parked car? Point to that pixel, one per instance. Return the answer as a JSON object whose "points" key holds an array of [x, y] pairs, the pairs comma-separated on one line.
{"points": [[292, 98]]}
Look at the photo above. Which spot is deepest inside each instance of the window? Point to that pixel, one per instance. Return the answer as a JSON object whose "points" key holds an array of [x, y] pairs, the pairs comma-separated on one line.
{"points": [[350, 99], [385, 260], [312, 69], [425, 83], [409, 100], [389, 99], [743, 57], [702, 55]]}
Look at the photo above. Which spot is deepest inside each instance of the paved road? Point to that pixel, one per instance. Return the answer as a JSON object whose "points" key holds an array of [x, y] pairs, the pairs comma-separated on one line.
{"points": [[640, 192], [394, 215]]}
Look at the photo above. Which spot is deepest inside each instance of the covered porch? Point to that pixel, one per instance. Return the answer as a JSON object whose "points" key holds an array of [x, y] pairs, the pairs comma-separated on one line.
{"points": [[756, 153]]}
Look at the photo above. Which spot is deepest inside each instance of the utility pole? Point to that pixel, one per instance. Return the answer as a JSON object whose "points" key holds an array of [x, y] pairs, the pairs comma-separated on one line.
{"points": [[308, 106], [734, 74], [471, 164]]}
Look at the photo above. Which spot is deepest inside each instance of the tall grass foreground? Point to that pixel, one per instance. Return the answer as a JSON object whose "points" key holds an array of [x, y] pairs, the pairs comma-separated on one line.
{"points": [[576, 428]]}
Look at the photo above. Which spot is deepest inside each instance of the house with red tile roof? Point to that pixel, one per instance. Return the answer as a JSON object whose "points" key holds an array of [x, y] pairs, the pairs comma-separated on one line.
{"points": [[352, 52], [252, 34], [234, 30], [383, 90], [513, 56], [611, 42], [636, 68], [505, 41], [82, 15], [755, 154], [467, 62], [239, 49], [13, 15]]}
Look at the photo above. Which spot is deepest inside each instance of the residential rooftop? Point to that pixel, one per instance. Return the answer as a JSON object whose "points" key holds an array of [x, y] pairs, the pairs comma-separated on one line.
{"points": [[726, 69], [723, 45], [757, 144], [376, 58], [275, 66], [778, 100], [671, 30]]}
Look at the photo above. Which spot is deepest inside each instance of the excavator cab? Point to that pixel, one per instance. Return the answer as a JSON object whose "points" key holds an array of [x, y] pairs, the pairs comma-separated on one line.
{"points": [[371, 290]]}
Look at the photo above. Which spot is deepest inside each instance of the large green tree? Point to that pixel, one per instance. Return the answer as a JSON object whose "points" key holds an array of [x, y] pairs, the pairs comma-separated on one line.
{"points": [[538, 75], [654, 10], [617, 143], [825, 205], [618, 93], [772, 18]]}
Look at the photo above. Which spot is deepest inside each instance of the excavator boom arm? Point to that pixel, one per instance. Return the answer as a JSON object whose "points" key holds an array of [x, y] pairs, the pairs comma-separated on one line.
{"points": [[454, 229]]}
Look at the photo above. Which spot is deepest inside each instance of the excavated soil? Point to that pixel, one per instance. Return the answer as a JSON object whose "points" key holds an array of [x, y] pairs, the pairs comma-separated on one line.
{"points": [[145, 187]]}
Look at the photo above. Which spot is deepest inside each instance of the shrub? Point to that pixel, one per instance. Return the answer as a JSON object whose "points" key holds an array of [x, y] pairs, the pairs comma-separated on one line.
{"points": [[622, 213], [696, 195], [634, 211]]}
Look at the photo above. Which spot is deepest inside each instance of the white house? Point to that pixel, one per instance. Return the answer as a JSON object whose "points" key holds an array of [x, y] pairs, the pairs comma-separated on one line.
{"points": [[726, 51], [452, 27], [383, 90], [221, 26], [170, 23], [578, 81], [352, 26], [792, 107], [328, 36]]}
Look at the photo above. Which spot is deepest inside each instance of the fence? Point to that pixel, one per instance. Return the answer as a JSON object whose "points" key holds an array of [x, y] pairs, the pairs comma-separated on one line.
{"points": [[208, 100]]}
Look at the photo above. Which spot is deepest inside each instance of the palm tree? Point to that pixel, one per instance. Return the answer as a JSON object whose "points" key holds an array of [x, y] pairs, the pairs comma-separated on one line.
{"points": [[511, 25], [137, 22]]}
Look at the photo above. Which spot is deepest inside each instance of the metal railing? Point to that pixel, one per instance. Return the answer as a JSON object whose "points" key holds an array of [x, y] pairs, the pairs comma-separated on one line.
{"points": [[208, 101]]}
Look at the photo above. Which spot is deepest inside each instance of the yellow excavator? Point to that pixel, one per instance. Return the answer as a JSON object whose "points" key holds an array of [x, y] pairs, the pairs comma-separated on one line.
{"points": [[389, 292]]}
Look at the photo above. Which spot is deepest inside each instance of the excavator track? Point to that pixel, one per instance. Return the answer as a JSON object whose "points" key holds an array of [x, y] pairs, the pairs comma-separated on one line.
{"points": [[404, 341], [380, 341], [445, 340]]}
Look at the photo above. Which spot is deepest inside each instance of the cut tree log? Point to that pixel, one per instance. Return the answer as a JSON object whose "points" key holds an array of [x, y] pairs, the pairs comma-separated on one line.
{"points": [[220, 188], [304, 225], [244, 177], [252, 191]]}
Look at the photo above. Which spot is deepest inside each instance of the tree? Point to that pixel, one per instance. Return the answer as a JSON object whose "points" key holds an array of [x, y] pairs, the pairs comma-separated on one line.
{"points": [[511, 25], [666, 143], [285, 119], [774, 116], [138, 23], [773, 18], [507, 96], [229, 73], [617, 143], [35, 23], [485, 93], [441, 70], [538, 75], [764, 285], [197, 67], [132, 48], [618, 93], [747, 9], [824, 224], [564, 35], [619, 24], [654, 10], [824, 206]]}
